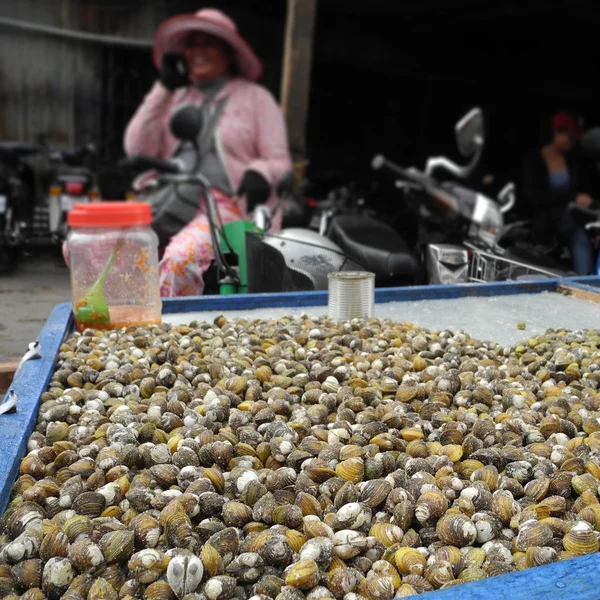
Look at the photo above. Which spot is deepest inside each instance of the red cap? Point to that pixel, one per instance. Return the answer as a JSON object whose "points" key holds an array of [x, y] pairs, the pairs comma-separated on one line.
{"points": [[566, 121], [110, 214]]}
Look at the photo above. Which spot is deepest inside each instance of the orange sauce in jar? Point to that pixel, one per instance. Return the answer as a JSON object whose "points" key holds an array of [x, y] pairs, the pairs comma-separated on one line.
{"points": [[124, 316]]}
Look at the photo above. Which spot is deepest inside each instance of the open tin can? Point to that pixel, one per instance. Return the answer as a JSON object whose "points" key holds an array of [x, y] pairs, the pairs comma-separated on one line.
{"points": [[351, 295]]}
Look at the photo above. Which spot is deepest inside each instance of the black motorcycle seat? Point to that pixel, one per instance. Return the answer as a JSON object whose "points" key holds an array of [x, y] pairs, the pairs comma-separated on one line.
{"points": [[375, 245], [19, 148]]}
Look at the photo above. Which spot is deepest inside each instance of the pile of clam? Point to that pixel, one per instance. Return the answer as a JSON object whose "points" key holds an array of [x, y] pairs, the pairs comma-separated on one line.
{"points": [[303, 459]]}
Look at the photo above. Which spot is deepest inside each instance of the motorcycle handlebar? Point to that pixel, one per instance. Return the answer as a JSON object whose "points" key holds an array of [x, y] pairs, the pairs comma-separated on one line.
{"points": [[379, 161], [73, 155], [143, 162], [411, 174], [588, 212]]}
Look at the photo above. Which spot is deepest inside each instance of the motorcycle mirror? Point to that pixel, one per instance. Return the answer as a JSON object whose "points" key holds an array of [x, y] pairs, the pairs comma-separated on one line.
{"points": [[285, 186], [590, 142], [186, 122], [469, 132], [506, 197]]}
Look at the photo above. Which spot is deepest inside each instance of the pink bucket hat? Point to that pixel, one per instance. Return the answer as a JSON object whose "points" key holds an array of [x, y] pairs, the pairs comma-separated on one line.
{"points": [[170, 36]]}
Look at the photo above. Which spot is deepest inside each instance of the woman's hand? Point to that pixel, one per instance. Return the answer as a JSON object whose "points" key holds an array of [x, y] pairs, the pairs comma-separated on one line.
{"points": [[256, 189], [174, 71], [583, 200]]}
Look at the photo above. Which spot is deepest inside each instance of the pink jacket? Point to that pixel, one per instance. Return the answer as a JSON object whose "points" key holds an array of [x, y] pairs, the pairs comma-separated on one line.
{"points": [[251, 133]]}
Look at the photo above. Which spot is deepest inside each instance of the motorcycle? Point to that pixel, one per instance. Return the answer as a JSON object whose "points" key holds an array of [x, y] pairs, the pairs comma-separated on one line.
{"points": [[250, 259], [462, 229], [73, 182], [17, 197]]}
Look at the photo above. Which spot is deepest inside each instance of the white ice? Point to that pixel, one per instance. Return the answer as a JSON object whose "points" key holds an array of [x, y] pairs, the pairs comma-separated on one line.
{"points": [[494, 318]]}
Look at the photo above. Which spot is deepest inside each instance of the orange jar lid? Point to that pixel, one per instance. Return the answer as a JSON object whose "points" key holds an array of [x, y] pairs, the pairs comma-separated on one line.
{"points": [[110, 214]]}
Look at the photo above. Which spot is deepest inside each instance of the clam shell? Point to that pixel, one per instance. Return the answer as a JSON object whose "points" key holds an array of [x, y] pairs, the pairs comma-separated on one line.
{"points": [[429, 507], [212, 560], [387, 533], [275, 550], [86, 556], [532, 533], [373, 493], [55, 543], [28, 573], [184, 574], [314, 527], [220, 588], [540, 555], [456, 529], [319, 549], [117, 546], [377, 588], [348, 543], [343, 581], [102, 590], [148, 565], [56, 577], [159, 590], [410, 560], [581, 539]]}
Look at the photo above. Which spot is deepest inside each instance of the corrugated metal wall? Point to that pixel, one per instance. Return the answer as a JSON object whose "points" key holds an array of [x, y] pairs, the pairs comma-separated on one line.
{"points": [[55, 86]]}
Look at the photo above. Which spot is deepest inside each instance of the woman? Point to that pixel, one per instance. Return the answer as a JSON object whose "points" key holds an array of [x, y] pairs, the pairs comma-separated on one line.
{"points": [[202, 57], [553, 178]]}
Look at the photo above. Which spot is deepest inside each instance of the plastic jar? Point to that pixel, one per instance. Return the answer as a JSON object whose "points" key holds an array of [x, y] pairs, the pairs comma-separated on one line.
{"points": [[113, 256]]}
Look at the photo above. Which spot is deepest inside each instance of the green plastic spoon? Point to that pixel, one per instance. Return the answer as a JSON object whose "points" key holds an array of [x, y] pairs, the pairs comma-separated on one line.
{"points": [[92, 309]]}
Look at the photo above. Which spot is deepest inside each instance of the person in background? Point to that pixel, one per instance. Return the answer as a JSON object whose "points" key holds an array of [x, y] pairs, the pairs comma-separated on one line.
{"points": [[201, 56], [553, 177]]}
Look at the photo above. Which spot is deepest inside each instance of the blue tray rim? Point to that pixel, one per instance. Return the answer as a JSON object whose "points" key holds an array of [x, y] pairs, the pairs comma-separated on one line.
{"points": [[566, 580]]}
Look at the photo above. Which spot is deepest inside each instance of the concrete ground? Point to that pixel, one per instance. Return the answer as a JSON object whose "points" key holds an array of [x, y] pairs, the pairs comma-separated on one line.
{"points": [[27, 296]]}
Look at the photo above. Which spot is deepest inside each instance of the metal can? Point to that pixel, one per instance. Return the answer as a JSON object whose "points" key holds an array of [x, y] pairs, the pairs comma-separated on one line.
{"points": [[351, 295]]}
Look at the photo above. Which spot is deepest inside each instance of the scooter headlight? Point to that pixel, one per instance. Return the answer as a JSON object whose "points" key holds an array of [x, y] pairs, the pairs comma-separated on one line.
{"points": [[488, 220]]}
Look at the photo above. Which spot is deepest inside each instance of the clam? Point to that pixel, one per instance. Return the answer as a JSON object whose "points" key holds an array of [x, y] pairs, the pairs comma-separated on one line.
{"points": [[343, 581], [221, 587], [352, 516], [23, 547], [319, 549], [184, 574], [28, 573], [540, 555], [303, 575], [532, 533], [410, 561], [212, 560], [275, 550], [488, 526], [56, 577], [85, 556], [348, 543], [55, 543], [246, 567], [351, 469], [148, 565], [387, 533], [146, 529], [456, 529], [102, 590], [117, 546], [429, 507], [159, 590], [377, 588], [581, 539]]}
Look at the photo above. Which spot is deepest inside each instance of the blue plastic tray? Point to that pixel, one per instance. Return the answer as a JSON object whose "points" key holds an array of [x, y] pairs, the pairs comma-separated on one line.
{"points": [[566, 580]]}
